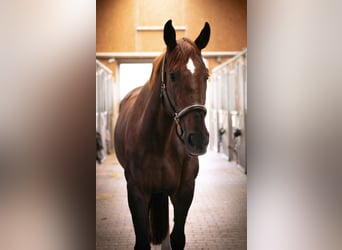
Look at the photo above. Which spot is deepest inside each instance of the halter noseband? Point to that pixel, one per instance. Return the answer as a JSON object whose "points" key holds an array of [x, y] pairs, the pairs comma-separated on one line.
{"points": [[171, 110]]}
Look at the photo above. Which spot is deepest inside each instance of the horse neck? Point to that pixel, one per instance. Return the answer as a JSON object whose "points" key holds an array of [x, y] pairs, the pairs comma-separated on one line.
{"points": [[155, 118]]}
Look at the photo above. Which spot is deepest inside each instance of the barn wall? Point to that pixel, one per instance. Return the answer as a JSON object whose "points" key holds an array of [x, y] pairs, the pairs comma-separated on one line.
{"points": [[116, 23]]}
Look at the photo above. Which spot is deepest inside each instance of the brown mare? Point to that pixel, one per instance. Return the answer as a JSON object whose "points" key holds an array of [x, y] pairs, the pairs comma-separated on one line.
{"points": [[159, 134]]}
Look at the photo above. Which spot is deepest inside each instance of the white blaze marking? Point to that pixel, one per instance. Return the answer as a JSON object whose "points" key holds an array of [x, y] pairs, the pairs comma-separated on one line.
{"points": [[190, 66]]}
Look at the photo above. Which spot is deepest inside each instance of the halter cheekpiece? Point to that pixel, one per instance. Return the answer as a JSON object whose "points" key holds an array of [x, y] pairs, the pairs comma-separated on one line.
{"points": [[170, 108]]}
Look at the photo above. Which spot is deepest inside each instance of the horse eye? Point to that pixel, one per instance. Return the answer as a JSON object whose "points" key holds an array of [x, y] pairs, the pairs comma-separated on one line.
{"points": [[173, 77]]}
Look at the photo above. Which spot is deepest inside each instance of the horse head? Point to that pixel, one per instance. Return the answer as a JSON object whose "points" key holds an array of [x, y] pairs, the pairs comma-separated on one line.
{"points": [[184, 83]]}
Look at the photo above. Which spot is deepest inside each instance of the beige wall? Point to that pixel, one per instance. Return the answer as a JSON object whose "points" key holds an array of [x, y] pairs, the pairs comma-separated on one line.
{"points": [[116, 22]]}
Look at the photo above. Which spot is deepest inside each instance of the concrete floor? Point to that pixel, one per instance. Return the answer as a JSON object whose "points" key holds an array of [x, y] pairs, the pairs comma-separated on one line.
{"points": [[217, 218]]}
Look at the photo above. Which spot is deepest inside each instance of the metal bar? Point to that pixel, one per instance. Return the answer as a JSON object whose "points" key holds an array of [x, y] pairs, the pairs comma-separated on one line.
{"points": [[222, 65], [104, 67]]}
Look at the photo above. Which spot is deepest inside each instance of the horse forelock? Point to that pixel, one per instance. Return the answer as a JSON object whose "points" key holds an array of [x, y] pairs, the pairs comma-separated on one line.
{"points": [[176, 59], [184, 50]]}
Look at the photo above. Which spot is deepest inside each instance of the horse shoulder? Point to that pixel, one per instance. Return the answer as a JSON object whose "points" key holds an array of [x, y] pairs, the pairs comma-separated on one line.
{"points": [[129, 99]]}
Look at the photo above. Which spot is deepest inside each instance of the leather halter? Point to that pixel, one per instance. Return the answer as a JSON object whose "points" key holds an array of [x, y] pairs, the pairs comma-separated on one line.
{"points": [[176, 115]]}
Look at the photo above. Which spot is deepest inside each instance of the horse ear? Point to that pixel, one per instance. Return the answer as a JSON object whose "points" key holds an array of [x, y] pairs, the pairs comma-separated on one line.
{"points": [[169, 35], [203, 38]]}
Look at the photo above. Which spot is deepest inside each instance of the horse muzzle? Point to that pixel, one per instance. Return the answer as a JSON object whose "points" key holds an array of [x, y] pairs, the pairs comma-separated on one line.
{"points": [[197, 139]]}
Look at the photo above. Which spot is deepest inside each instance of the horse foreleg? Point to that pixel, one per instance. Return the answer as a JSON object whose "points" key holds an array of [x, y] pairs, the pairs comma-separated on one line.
{"points": [[181, 203], [138, 205]]}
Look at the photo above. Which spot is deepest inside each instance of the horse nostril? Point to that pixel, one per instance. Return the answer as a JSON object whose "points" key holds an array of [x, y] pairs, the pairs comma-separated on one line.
{"points": [[195, 139]]}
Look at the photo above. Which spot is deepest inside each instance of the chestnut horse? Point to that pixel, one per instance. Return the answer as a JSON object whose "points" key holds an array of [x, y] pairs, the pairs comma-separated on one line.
{"points": [[159, 134]]}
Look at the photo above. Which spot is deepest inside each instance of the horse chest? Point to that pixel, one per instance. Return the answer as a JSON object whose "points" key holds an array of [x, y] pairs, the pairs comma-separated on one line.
{"points": [[157, 174], [166, 175]]}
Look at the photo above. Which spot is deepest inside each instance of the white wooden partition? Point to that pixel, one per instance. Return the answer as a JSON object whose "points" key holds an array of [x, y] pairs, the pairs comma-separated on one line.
{"points": [[227, 106], [104, 106]]}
